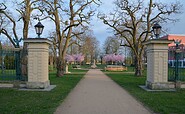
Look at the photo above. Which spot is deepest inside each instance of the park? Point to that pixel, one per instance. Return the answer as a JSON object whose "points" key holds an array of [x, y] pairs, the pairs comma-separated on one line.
{"points": [[53, 61]]}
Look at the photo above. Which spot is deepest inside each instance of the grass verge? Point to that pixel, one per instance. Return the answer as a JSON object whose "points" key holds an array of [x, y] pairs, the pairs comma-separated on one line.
{"points": [[159, 102], [13, 101]]}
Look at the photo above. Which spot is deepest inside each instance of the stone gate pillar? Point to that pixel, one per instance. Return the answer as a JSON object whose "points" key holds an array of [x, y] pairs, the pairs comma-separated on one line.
{"points": [[38, 53], [157, 63]]}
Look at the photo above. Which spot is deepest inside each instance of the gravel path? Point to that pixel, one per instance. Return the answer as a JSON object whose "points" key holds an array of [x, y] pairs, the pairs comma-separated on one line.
{"points": [[98, 94]]}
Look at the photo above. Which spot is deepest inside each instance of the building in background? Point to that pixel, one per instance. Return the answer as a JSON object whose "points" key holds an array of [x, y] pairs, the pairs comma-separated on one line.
{"points": [[172, 49]]}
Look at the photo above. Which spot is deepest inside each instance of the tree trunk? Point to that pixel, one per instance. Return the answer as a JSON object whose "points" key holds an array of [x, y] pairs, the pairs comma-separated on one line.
{"points": [[24, 60], [60, 68], [138, 66], [55, 61], [60, 62]]}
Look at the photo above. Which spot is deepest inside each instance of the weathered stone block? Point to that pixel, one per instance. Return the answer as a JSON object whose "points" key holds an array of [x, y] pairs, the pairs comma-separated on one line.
{"points": [[157, 64], [159, 85], [38, 56], [38, 85]]}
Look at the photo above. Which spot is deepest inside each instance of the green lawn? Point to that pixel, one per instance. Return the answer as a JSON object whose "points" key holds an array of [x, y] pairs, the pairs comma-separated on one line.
{"points": [[159, 102], [101, 66], [13, 101]]}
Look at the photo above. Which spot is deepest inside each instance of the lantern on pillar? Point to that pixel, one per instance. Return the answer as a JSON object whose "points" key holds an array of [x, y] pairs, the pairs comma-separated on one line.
{"points": [[39, 28], [157, 30]]}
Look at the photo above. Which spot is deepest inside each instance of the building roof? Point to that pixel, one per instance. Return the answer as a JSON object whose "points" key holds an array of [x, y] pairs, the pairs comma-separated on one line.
{"points": [[175, 37]]}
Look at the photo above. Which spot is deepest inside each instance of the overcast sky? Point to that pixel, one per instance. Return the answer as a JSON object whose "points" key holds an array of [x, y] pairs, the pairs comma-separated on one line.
{"points": [[101, 32]]}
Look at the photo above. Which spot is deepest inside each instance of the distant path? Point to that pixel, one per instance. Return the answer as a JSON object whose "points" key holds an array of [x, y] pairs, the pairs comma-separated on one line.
{"points": [[98, 94]]}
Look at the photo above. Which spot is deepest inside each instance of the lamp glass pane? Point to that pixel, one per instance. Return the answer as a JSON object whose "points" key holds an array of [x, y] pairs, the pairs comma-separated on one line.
{"points": [[36, 29]]}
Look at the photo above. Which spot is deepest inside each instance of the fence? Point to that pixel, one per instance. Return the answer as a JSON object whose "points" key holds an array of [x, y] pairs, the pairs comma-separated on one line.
{"points": [[10, 65], [176, 66]]}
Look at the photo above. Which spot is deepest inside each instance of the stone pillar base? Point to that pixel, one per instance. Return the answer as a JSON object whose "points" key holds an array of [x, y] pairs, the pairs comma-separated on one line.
{"points": [[38, 85], [182, 85], [159, 85]]}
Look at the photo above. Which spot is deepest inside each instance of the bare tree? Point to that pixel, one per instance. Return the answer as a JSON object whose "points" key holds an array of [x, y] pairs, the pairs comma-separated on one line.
{"points": [[2, 7], [53, 48], [24, 9], [132, 21], [6, 19], [89, 46], [76, 13], [111, 45], [75, 43]]}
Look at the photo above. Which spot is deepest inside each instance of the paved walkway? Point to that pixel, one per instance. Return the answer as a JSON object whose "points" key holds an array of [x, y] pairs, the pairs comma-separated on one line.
{"points": [[98, 94]]}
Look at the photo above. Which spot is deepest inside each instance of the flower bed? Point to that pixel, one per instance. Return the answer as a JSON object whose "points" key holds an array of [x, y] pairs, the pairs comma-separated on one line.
{"points": [[115, 68]]}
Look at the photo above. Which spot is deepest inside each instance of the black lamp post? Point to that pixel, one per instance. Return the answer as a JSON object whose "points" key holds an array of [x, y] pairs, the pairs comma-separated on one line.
{"points": [[156, 29], [39, 28]]}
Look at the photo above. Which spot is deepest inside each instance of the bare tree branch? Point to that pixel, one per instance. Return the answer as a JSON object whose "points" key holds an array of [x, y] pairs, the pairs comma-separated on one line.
{"points": [[132, 21]]}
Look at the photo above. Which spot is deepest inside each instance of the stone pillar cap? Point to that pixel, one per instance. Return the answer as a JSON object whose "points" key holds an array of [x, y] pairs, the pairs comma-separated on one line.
{"points": [[37, 40], [158, 41]]}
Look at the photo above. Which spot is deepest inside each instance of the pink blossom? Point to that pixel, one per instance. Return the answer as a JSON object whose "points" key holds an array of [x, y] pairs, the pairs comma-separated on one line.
{"points": [[113, 58], [69, 58], [75, 57], [78, 57]]}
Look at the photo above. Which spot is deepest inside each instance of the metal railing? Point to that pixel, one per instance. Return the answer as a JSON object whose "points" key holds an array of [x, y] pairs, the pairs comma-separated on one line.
{"points": [[10, 65]]}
